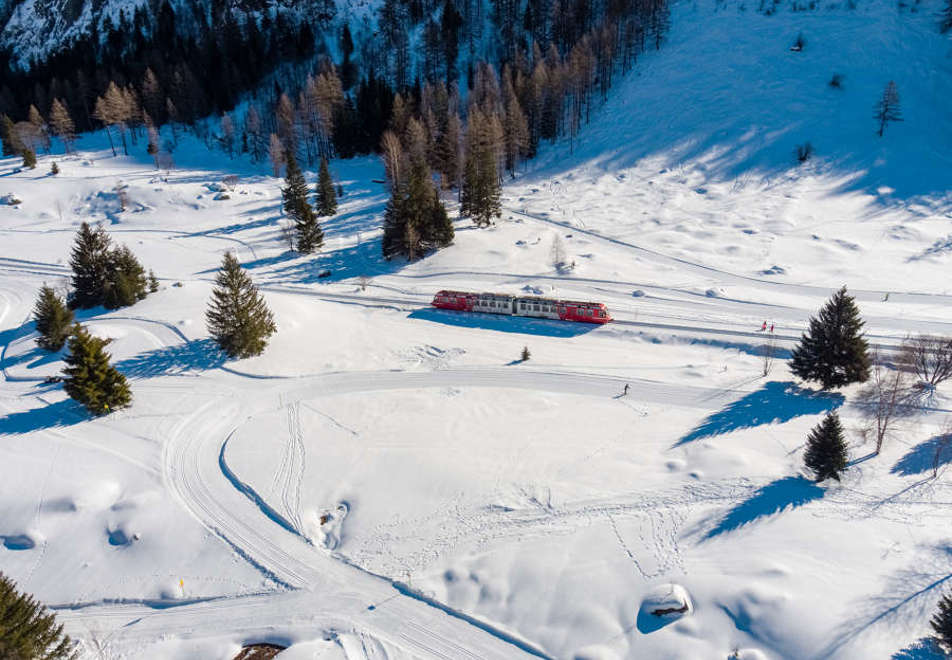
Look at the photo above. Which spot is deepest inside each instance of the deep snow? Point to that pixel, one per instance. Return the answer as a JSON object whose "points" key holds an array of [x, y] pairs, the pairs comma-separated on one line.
{"points": [[388, 480]]}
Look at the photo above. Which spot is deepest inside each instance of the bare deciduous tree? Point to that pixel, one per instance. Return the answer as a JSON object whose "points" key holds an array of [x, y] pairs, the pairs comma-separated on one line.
{"points": [[885, 400], [928, 358]]}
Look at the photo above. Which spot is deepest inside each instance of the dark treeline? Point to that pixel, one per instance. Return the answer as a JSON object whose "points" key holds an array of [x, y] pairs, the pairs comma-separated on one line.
{"points": [[550, 58]]}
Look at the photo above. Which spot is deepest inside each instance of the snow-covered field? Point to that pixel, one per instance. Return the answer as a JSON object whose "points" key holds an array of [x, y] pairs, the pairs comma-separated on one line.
{"points": [[389, 481]]}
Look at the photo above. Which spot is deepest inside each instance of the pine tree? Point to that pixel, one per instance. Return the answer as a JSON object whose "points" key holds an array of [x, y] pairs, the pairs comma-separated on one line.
{"points": [[326, 197], [238, 317], [29, 158], [54, 168], [90, 263], [481, 191], [525, 355], [826, 454], [310, 237], [887, 108], [834, 351], [53, 320], [27, 630], [942, 625], [126, 281], [90, 378]]}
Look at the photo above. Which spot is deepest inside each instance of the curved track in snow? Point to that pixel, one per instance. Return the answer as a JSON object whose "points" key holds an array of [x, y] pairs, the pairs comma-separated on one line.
{"points": [[324, 590]]}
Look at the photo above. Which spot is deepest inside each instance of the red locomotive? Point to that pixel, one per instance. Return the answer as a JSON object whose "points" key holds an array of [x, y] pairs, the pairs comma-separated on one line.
{"points": [[543, 308]]}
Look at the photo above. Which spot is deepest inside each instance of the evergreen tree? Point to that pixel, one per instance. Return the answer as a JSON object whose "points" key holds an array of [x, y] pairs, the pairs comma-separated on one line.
{"points": [[826, 454], [90, 263], [53, 320], [525, 355], [27, 630], [942, 625], [310, 237], [238, 317], [29, 158], [415, 219], [326, 197], [834, 351], [54, 169], [481, 191], [90, 378], [126, 281]]}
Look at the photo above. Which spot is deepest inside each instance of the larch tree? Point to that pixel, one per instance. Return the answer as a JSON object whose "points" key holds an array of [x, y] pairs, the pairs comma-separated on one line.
{"points": [[326, 197], [62, 124], [826, 454], [887, 108], [834, 351], [40, 128], [275, 154], [89, 378], [238, 317], [27, 630], [53, 320], [12, 145]]}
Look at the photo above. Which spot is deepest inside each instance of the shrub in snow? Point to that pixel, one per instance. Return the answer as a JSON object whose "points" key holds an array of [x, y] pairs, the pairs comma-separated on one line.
{"points": [[27, 630], [54, 169], [53, 320], [89, 377], [804, 151], [222, 196], [833, 351]]}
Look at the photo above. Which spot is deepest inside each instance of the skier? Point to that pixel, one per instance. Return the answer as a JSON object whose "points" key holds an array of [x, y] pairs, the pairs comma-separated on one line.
{"points": [[771, 328], [763, 328], [625, 393]]}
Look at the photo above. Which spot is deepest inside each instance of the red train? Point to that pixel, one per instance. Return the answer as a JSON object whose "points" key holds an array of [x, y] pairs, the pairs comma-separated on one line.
{"points": [[543, 308]]}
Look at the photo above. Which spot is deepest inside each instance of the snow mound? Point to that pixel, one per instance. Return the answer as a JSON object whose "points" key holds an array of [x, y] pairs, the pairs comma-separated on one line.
{"points": [[662, 605], [10, 200]]}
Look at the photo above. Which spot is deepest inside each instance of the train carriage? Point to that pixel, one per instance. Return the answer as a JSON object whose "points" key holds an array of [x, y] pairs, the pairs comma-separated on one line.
{"points": [[531, 306]]}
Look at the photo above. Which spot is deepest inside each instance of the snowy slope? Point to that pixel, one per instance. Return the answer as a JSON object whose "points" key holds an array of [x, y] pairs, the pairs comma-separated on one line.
{"points": [[388, 481]]}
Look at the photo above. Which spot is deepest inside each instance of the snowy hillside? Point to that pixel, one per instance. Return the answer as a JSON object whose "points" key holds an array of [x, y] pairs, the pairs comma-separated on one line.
{"points": [[390, 481]]}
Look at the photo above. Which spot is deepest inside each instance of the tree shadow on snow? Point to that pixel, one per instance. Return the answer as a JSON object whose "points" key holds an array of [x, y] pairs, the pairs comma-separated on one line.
{"points": [[364, 259], [921, 458], [775, 402], [62, 413], [781, 495], [503, 323], [174, 360]]}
